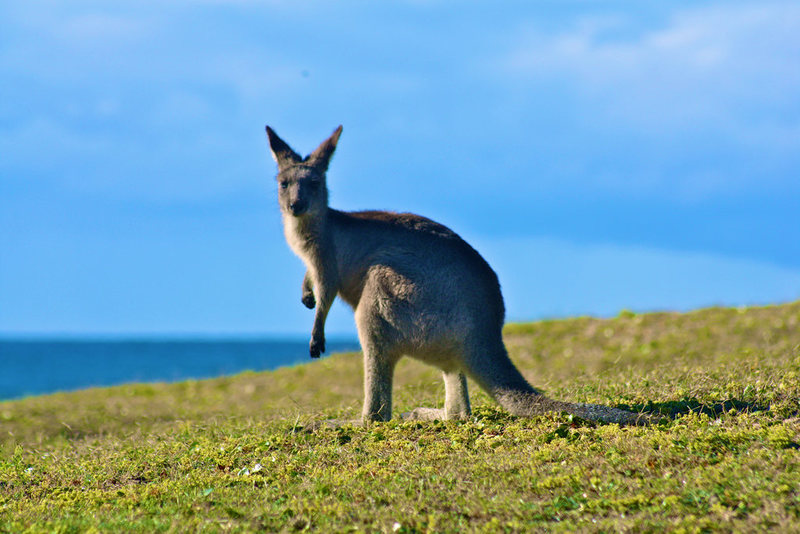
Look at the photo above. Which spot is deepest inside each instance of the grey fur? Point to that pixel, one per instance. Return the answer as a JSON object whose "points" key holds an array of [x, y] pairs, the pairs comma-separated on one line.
{"points": [[417, 289]]}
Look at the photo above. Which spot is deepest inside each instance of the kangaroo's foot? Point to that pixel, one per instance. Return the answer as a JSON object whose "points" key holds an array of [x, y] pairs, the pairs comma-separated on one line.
{"points": [[424, 414]]}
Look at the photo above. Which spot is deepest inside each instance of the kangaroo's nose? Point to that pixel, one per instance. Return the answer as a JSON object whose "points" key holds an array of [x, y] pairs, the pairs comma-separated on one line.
{"points": [[298, 207]]}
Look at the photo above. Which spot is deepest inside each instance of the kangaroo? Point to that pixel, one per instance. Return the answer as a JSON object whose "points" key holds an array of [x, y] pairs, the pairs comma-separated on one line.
{"points": [[417, 289]]}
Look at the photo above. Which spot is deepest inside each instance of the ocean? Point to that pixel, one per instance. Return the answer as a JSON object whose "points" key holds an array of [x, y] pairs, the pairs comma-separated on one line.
{"points": [[35, 367]]}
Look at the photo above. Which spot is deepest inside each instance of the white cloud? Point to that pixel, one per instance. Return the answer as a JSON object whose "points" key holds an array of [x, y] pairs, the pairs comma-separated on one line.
{"points": [[725, 74], [702, 103], [706, 63]]}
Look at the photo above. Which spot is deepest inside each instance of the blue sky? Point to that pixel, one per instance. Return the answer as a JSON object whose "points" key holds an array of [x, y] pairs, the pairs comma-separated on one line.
{"points": [[601, 155]]}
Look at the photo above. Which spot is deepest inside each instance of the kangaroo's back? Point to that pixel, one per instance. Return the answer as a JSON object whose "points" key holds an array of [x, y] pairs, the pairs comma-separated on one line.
{"points": [[430, 267]]}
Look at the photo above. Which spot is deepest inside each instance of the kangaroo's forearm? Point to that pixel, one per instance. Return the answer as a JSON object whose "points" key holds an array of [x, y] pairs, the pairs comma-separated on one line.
{"points": [[325, 292], [307, 292], [324, 297]]}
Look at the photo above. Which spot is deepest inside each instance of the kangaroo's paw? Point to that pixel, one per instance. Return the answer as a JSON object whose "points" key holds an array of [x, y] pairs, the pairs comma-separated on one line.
{"points": [[316, 347], [308, 300], [424, 414]]}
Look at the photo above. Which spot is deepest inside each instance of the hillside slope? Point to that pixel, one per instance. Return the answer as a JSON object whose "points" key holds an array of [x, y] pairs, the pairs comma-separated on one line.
{"points": [[235, 454]]}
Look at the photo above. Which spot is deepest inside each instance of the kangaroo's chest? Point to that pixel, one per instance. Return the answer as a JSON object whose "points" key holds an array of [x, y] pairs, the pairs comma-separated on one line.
{"points": [[303, 240]]}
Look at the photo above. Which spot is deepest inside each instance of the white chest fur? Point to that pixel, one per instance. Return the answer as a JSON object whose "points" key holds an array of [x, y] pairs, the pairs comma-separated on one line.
{"points": [[299, 237]]}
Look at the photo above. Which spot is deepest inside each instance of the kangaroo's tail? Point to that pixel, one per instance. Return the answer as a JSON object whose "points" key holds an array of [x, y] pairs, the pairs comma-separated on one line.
{"points": [[528, 404], [503, 381]]}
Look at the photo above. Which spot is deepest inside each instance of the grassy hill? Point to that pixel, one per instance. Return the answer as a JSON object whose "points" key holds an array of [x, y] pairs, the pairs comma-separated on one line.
{"points": [[239, 453]]}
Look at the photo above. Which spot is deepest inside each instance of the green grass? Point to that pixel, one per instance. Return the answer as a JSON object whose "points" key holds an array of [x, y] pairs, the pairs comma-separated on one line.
{"points": [[238, 453]]}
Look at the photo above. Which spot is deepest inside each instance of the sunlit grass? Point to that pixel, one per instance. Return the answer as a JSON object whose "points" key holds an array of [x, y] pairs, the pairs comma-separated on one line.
{"points": [[238, 453]]}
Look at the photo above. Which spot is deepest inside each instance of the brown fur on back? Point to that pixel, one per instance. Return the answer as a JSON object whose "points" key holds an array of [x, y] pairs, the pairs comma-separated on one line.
{"points": [[423, 226], [409, 221]]}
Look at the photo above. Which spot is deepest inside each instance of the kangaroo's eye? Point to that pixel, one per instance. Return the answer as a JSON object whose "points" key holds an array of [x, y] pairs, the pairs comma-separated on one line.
{"points": [[284, 184]]}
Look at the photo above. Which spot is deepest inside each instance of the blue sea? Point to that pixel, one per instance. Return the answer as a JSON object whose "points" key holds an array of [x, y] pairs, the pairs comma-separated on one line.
{"points": [[34, 367]]}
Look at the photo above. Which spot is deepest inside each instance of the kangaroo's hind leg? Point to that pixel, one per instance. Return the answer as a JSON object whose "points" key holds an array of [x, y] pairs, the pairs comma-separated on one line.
{"points": [[456, 396], [380, 357], [378, 375]]}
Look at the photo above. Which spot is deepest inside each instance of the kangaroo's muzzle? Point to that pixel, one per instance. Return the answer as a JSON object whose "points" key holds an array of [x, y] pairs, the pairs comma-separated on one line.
{"points": [[298, 207]]}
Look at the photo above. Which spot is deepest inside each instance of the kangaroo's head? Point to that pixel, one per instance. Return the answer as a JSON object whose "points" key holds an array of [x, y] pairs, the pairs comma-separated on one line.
{"points": [[302, 190]]}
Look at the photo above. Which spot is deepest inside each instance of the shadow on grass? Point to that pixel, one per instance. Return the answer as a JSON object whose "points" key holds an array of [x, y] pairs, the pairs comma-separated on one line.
{"points": [[673, 409]]}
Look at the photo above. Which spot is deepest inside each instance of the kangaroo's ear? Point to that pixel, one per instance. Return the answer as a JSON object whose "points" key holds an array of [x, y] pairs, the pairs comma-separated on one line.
{"points": [[283, 153], [322, 155]]}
